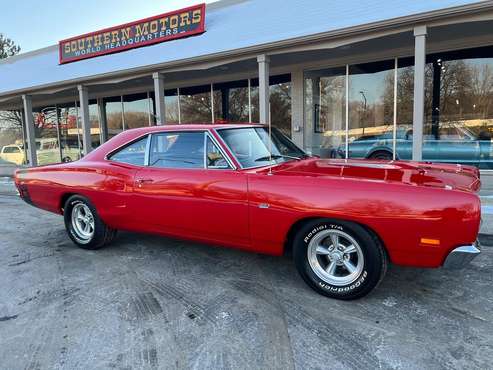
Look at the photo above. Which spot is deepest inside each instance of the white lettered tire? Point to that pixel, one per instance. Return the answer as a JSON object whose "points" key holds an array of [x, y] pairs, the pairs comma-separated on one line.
{"points": [[339, 259]]}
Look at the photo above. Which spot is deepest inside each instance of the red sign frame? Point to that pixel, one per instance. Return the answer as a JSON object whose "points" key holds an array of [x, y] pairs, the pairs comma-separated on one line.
{"points": [[198, 30]]}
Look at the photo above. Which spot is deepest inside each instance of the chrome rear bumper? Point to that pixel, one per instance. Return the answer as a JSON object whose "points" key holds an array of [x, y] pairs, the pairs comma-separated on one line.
{"points": [[461, 256]]}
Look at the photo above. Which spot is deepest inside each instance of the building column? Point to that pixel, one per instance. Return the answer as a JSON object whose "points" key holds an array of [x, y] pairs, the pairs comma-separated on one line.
{"points": [[85, 122], [263, 85], [420, 33], [297, 108], [29, 122], [159, 97]]}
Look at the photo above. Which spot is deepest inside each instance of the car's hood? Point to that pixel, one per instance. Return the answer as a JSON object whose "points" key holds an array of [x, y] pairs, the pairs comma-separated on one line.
{"points": [[413, 173]]}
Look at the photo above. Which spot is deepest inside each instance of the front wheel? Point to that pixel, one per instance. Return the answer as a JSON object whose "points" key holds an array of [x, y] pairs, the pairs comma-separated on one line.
{"points": [[339, 259], [84, 226]]}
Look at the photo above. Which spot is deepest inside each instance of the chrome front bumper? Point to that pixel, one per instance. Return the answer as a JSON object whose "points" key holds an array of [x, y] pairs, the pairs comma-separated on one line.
{"points": [[461, 256]]}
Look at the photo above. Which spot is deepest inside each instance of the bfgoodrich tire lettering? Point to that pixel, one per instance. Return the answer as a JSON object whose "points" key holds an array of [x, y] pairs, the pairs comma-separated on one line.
{"points": [[91, 232], [339, 259]]}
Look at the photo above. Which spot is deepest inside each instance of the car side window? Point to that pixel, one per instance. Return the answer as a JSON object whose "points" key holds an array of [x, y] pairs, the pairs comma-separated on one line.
{"points": [[177, 150], [215, 159], [132, 154]]}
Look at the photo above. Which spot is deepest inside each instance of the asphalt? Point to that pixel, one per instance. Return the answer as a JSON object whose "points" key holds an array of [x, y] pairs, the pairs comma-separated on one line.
{"points": [[149, 303]]}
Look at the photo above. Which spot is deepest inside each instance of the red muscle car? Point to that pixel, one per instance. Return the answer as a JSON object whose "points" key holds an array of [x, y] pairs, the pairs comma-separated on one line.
{"points": [[238, 186]]}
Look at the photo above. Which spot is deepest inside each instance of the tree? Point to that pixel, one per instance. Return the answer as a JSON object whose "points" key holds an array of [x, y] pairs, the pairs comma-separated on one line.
{"points": [[8, 47]]}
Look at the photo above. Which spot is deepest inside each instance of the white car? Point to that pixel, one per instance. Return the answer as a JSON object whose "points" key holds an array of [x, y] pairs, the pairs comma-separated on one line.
{"points": [[13, 153]]}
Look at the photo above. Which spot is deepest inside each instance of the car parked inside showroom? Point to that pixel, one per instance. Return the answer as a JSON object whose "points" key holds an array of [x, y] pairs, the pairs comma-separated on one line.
{"points": [[245, 187], [452, 143]]}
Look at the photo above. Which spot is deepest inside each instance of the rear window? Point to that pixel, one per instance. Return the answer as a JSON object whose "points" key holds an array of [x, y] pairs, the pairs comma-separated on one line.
{"points": [[11, 149], [132, 154]]}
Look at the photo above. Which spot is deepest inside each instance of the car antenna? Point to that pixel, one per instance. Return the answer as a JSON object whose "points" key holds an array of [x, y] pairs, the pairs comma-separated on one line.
{"points": [[270, 140]]}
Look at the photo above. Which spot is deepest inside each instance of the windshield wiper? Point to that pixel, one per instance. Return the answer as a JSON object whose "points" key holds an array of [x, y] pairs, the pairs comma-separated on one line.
{"points": [[276, 156]]}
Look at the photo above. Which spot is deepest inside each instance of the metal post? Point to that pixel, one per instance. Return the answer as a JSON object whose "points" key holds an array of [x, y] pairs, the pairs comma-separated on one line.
{"points": [[263, 85], [212, 103], [159, 97], [249, 101], [347, 111], [84, 115], [103, 122], [419, 90], [29, 122], [394, 131], [297, 105]]}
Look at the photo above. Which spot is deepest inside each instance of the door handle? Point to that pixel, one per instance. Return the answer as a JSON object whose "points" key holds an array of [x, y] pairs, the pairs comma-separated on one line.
{"points": [[143, 181]]}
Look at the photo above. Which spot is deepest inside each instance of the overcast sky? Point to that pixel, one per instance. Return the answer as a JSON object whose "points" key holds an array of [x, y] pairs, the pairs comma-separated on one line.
{"points": [[34, 24]]}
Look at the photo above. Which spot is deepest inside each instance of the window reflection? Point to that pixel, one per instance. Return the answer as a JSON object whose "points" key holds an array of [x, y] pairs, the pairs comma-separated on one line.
{"points": [[371, 105], [47, 136], [136, 109], [231, 102], [459, 115], [70, 133], [325, 113], [196, 104], [95, 124], [12, 147], [172, 107], [280, 102], [114, 115]]}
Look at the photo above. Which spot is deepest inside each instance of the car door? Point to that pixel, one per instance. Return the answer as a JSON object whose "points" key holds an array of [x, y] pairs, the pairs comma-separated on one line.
{"points": [[191, 189]]}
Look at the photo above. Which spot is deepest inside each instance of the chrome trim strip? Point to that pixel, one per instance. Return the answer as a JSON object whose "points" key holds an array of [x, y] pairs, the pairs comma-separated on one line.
{"points": [[118, 148], [148, 150], [216, 143], [462, 256]]}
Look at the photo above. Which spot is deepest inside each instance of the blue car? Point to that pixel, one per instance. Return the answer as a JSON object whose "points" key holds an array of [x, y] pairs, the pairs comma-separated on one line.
{"points": [[456, 144]]}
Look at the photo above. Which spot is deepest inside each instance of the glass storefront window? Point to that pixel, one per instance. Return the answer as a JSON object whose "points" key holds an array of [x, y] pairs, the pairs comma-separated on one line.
{"points": [[47, 136], [231, 102], [12, 146], [172, 107], [95, 123], [459, 115], [136, 110], [114, 115], [280, 102], [70, 134], [405, 106], [325, 111], [195, 104], [371, 106]]}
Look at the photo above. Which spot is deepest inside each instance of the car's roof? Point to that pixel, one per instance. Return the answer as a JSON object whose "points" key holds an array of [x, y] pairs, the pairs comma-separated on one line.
{"points": [[195, 126]]}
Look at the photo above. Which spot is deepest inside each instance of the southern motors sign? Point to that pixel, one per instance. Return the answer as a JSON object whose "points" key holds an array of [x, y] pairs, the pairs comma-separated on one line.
{"points": [[181, 23]]}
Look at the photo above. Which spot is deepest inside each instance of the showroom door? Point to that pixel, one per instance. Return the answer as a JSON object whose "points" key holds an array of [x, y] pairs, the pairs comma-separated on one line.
{"points": [[181, 193]]}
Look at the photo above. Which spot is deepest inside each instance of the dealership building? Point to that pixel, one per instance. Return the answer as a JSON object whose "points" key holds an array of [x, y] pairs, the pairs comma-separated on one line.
{"points": [[348, 79]]}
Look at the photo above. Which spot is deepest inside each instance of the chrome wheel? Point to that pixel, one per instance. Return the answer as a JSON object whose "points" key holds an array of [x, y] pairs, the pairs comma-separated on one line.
{"points": [[335, 257], [82, 223]]}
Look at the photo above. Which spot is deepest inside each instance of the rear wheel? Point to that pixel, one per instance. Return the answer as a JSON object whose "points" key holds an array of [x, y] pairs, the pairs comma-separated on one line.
{"points": [[339, 259], [381, 155], [83, 224]]}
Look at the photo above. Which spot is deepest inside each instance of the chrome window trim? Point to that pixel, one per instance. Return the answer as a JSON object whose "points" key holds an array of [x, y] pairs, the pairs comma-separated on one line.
{"points": [[232, 166], [164, 131], [233, 154], [216, 130], [148, 150], [121, 147]]}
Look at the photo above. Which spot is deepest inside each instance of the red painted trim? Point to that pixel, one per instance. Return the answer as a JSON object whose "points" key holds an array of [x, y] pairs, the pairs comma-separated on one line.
{"points": [[200, 29]]}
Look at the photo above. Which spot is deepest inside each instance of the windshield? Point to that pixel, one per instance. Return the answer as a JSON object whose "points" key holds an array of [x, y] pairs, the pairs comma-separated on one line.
{"points": [[251, 145]]}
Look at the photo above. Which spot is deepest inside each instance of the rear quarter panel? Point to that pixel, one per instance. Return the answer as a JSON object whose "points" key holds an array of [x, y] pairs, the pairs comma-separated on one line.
{"points": [[106, 185], [399, 214]]}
